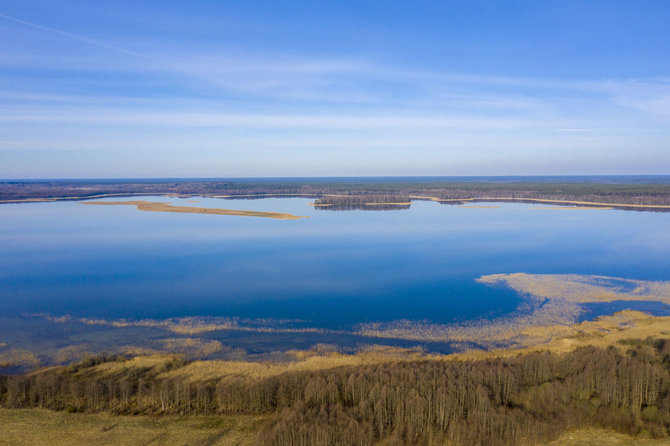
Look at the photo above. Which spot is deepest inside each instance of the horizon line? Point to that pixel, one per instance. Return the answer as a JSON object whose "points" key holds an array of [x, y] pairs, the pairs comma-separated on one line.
{"points": [[331, 177]]}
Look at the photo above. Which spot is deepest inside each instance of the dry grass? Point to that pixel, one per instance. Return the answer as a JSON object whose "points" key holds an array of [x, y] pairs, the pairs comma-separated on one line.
{"points": [[18, 357], [143, 362], [603, 332], [581, 288], [72, 353], [42, 427], [598, 437], [151, 206], [590, 204], [570, 207], [199, 371], [190, 325], [552, 304], [22, 427], [547, 316], [184, 325], [585, 203], [90, 197], [191, 346]]}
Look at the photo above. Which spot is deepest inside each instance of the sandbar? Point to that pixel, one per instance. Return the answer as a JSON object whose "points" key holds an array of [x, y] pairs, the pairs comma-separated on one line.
{"points": [[590, 204], [151, 206], [570, 207]]}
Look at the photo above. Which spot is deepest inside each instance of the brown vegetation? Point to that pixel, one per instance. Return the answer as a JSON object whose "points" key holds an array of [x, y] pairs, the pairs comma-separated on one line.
{"points": [[152, 206], [623, 193], [551, 307], [30, 427], [516, 400], [600, 437]]}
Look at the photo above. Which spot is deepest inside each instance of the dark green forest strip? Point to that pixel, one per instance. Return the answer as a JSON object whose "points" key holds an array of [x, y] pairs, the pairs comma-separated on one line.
{"points": [[625, 190]]}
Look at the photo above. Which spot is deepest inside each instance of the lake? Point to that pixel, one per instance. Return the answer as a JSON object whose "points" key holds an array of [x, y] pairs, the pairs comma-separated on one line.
{"points": [[285, 284]]}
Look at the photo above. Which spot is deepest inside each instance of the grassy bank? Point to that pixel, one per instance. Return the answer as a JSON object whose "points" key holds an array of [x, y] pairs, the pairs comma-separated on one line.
{"points": [[29, 427], [527, 399], [20, 427]]}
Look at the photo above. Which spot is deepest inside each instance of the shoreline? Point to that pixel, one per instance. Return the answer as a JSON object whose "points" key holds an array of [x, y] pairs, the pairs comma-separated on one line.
{"points": [[547, 316], [590, 204], [615, 330], [576, 204]]}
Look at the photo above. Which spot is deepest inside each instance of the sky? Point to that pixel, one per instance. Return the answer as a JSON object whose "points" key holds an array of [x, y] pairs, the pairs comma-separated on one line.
{"points": [[122, 89]]}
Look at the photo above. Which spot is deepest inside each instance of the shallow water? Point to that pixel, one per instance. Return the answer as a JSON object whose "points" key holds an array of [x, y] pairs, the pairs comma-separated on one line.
{"points": [[332, 271]]}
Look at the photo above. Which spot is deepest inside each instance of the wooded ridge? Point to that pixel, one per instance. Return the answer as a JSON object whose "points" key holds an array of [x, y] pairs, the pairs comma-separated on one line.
{"points": [[506, 401]]}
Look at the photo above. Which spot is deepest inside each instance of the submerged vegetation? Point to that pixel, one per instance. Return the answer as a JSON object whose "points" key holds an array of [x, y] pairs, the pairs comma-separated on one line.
{"points": [[548, 314], [525, 399], [563, 380]]}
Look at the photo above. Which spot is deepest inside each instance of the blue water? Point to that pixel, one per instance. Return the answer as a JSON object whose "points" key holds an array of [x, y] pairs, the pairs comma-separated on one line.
{"points": [[333, 270]]}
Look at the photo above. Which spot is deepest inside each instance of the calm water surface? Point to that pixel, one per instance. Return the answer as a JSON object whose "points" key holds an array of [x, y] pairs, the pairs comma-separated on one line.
{"points": [[333, 270]]}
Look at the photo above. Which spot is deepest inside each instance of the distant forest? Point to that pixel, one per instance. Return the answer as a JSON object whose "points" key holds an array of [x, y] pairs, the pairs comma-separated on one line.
{"points": [[625, 190], [507, 401]]}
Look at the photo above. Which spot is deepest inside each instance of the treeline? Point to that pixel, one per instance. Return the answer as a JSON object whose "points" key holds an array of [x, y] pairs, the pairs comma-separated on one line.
{"points": [[636, 196], [510, 401], [83, 189], [649, 193], [363, 201], [363, 207]]}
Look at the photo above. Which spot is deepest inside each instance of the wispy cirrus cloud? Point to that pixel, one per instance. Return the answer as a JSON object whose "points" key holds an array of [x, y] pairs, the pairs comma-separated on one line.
{"points": [[652, 96], [291, 77], [293, 121], [94, 90], [70, 35]]}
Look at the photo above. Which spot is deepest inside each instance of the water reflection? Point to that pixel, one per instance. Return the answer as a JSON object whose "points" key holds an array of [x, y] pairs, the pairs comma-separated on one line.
{"points": [[332, 271]]}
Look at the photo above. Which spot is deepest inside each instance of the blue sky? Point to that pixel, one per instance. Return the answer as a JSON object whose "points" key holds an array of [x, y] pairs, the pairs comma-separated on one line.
{"points": [[337, 88]]}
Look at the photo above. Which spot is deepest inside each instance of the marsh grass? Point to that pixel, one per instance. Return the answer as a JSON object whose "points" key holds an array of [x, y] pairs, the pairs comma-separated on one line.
{"points": [[44, 427], [600, 437]]}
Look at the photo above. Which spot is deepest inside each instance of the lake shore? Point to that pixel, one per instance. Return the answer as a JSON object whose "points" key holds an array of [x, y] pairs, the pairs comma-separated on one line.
{"points": [[633, 193], [562, 204], [170, 405]]}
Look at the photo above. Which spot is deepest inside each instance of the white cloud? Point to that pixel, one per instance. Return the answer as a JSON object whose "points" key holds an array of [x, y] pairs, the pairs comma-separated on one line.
{"points": [[292, 121], [79, 97]]}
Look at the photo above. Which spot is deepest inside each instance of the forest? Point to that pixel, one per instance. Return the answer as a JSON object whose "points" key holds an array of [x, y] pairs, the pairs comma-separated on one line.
{"points": [[525, 399], [626, 190]]}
